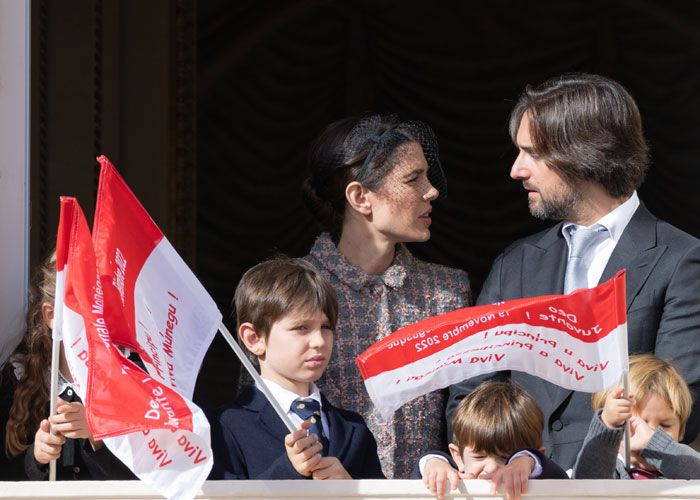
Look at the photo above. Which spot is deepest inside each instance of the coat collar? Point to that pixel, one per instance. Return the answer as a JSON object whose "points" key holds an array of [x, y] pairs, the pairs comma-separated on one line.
{"points": [[543, 273], [326, 255], [638, 251], [252, 399]]}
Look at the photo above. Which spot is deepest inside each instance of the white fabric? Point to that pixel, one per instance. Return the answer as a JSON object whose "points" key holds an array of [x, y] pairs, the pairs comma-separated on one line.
{"points": [[176, 319], [285, 399], [424, 460], [536, 470]]}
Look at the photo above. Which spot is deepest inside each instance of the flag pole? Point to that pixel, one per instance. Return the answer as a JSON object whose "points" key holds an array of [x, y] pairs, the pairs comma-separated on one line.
{"points": [[626, 390], [56, 339], [55, 356], [259, 383]]}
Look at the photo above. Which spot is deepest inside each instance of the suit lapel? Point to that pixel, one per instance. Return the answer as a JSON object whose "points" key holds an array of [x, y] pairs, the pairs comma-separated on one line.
{"points": [[267, 417], [340, 431], [637, 251], [544, 266]]}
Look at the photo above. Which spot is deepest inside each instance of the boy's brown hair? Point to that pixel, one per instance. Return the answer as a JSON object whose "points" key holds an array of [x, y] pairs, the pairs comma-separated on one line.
{"points": [[278, 286], [650, 375], [498, 418]]}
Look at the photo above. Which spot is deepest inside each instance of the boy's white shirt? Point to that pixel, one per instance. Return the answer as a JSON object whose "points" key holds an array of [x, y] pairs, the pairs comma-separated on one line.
{"points": [[285, 398], [536, 471]]}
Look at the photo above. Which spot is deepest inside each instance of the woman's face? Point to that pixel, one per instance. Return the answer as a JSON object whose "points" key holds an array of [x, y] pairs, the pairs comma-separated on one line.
{"points": [[401, 207]]}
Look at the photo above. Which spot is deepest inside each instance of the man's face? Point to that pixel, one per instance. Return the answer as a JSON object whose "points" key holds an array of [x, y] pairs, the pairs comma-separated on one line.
{"points": [[549, 195]]}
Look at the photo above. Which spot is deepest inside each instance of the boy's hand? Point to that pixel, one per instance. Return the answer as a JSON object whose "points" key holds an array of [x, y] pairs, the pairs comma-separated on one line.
{"points": [[70, 420], [437, 474], [617, 408], [514, 477], [47, 446], [640, 433], [330, 468], [303, 451]]}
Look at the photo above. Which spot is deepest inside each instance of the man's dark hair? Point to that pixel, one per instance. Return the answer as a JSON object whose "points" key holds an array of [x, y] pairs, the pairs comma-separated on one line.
{"points": [[586, 127]]}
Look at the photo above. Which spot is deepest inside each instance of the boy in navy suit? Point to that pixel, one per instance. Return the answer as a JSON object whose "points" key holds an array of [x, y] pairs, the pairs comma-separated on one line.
{"points": [[497, 436], [286, 315]]}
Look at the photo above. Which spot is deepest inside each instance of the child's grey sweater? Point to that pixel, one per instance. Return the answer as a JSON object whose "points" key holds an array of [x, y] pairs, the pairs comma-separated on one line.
{"points": [[598, 458]]}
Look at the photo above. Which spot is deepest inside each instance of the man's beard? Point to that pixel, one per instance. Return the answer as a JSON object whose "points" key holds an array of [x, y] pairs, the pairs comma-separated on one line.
{"points": [[562, 203]]}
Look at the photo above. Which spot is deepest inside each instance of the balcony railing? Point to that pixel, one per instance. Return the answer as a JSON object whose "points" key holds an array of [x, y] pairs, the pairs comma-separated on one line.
{"points": [[356, 490]]}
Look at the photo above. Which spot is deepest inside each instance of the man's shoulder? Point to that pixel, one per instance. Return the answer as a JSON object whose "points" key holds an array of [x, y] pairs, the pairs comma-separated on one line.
{"points": [[672, 235], [542, 238], [664, 233]]}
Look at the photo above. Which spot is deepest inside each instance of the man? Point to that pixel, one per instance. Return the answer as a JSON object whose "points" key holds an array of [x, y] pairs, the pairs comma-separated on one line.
{"points": [[582, 155]]}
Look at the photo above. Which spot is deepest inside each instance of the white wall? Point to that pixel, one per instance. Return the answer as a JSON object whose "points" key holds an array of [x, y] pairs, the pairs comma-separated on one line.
{"points": [[14, 169]]}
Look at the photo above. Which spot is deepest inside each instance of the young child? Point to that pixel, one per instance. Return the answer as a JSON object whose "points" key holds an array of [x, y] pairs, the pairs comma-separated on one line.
{"points": [[497, 436], [657, 408], [29, 439], [286, 314]]}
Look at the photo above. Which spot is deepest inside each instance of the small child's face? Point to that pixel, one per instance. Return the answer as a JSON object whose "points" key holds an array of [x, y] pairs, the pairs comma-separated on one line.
{"points": [[656, 412], [477, 465], [297, 350]]}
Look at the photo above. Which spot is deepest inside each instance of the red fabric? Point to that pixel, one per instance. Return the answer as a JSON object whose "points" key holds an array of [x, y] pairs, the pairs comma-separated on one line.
{"points": [[121, 398]]}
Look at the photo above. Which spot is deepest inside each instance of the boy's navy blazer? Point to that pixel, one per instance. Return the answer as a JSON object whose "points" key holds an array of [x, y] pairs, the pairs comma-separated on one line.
{"points": [[248, 441]]}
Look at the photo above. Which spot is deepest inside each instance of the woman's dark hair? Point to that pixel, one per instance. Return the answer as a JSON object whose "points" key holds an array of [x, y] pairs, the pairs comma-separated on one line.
{"points": [[586, 127], [30, 403], [362, 149]]}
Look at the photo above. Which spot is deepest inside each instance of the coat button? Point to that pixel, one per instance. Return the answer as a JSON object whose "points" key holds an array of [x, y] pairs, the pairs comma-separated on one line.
{"points": [[557, 425], [69, 392], [76, 469]]}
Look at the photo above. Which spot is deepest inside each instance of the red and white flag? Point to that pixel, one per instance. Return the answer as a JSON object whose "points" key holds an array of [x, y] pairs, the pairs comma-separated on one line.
{"points": [[170, 318], [168, 441], [577, 341]]}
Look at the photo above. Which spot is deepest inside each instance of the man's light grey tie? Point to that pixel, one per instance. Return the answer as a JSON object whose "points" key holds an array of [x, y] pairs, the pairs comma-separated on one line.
{"points": [[577, 267]]}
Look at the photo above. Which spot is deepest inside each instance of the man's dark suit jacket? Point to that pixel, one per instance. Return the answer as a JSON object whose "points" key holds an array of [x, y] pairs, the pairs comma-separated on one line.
{"points": [[247, 439], [663, 315]]}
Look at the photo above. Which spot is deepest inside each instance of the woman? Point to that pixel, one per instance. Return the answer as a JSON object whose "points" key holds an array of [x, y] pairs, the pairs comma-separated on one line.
{"points": [[371, 186], [28, 431]]}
